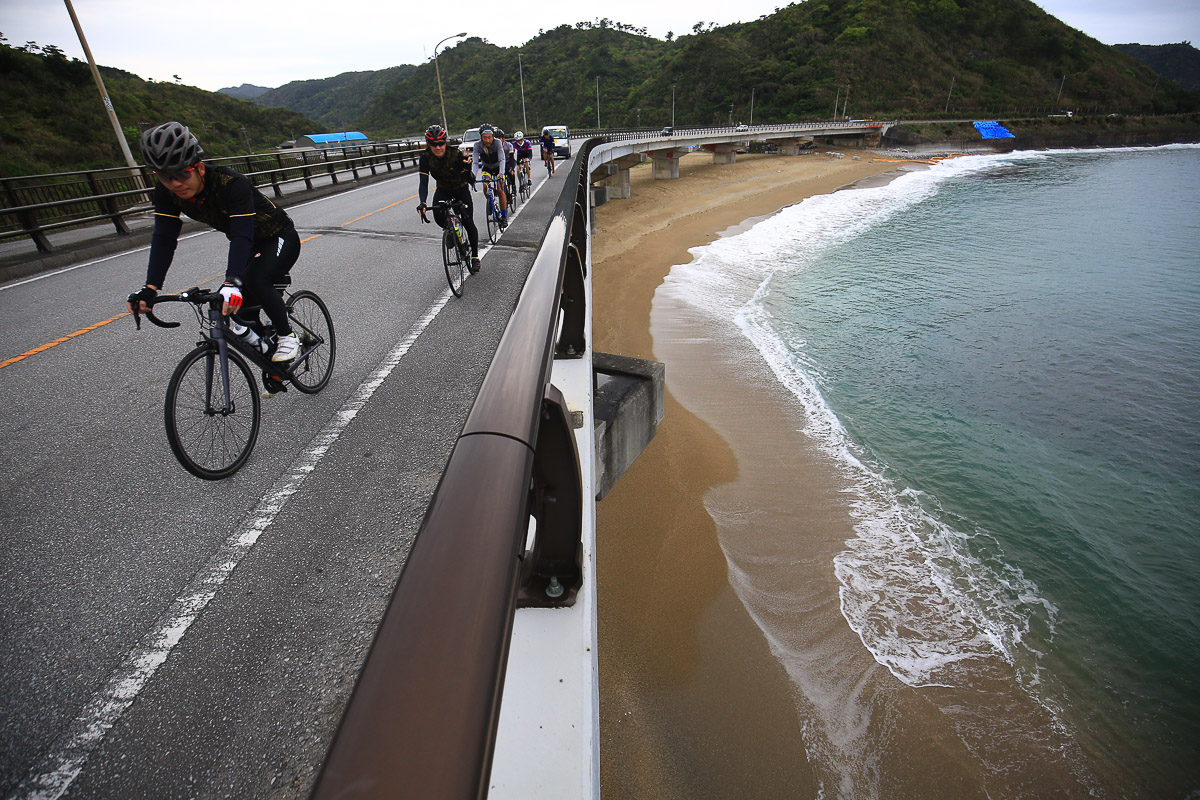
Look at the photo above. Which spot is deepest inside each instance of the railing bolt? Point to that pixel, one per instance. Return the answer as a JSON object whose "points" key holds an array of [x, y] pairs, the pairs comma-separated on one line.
{"points": [[554, 588]]}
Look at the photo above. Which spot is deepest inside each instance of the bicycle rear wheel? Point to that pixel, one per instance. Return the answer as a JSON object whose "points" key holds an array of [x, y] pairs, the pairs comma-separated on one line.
{"points": [[311, 322], [211, 441], [456, 270], [525, 188]]}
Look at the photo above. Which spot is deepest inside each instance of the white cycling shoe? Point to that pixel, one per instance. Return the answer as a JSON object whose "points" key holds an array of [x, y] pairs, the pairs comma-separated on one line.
{"points": [[287, 348]]}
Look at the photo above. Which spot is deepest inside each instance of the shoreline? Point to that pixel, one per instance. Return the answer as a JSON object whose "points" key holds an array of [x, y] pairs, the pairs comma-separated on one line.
{"points": [[726, 666], [690, 688]]}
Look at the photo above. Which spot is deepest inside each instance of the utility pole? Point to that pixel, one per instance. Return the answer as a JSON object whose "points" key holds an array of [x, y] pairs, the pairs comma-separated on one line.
{"points": [[752, 106], [845, 104], [672, 105], [948, 94], [597, 102], [1060, 87], [108, 106], [521, 70], [837, 99], [438, 73]]}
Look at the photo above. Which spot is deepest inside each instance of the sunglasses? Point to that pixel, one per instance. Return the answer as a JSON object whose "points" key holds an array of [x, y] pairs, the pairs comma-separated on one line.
{"points": [[437, 144], [175, 176]]}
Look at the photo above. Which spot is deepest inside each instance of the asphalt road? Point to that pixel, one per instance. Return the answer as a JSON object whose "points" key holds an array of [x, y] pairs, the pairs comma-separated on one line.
{"points": [[164, 636]]}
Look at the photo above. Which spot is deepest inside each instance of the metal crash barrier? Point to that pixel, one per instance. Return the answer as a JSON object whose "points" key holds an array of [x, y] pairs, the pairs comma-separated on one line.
{"points": [[423, 716]]}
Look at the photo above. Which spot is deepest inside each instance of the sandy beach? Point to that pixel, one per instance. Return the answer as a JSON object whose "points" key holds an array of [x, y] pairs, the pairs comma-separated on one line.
{"points": [[693, 703], [696, 700]]}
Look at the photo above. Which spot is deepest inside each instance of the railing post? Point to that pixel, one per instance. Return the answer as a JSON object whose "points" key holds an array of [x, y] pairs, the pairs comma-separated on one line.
{"points": [[551, 572], [28, 220], [275, 176], [108, 205], [572, 342], [330, 166], [305, 171]]}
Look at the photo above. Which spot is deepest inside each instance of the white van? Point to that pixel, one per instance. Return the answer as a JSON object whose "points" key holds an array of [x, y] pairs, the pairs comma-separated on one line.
{"points": [[562, 139], [469, 138]]}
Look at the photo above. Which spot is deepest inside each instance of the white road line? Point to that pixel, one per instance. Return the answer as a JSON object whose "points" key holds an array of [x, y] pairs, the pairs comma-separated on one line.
{"points": [[55, 773]]}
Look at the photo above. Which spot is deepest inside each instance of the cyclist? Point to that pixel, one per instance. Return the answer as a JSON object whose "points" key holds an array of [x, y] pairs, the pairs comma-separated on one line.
{"points": [[523, 151], [548, 150], [510, 162], [488, 159], [263, 243], [453, 174]]}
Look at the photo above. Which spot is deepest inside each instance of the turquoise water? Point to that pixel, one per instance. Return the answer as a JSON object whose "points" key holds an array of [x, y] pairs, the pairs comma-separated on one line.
{"points": [[1004, 352]]}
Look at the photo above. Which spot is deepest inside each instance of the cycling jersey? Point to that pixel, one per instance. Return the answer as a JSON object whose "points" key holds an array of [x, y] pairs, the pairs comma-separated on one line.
{"points": [[489, 160], [451, 171], [524, 149], [229, 203]]}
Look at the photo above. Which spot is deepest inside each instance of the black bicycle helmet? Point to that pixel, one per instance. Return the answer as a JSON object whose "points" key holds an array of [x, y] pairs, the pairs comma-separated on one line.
{"points": [[170, 146], [435, 134], [500, 133], [485, 128]]}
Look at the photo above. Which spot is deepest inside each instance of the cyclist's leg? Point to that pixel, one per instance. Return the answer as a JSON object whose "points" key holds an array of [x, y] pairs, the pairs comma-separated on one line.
{"points": [[271, 260], [440, 195], [468, 216]]}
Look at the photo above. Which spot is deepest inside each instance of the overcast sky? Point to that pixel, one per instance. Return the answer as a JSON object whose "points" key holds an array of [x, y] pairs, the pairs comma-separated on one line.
{"points": [[215, 44]]}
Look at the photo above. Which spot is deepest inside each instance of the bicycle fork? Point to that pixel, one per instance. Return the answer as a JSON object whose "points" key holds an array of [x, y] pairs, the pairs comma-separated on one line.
{"points": [[221, 356]]}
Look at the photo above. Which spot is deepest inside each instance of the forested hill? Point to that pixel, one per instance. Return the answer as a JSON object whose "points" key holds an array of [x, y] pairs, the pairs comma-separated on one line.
{"points": [[917, 58], [52, 119], [1178, 62], [337, 102]]}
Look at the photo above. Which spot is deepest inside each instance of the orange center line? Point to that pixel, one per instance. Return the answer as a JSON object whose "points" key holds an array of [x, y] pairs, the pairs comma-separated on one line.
{"points": [[71, 336], [66, 338], [91, 328]]}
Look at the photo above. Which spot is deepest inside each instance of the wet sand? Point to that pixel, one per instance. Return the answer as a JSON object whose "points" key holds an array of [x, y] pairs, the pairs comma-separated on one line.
{"points": [[696, 701], [693, 703]]}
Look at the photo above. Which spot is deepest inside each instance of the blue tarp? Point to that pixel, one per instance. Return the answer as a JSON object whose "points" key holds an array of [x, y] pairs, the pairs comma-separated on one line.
{"points": [[324, 138], [993, 130]]}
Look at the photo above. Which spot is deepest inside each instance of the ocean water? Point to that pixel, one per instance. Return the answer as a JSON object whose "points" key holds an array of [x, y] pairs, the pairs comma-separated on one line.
{"points": [[1002, 354]]}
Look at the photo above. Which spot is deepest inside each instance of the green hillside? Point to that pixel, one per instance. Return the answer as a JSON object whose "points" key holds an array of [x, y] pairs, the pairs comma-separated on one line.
{"points": [[53, 120], [1178, 62], [336, 102], [916, 58]]}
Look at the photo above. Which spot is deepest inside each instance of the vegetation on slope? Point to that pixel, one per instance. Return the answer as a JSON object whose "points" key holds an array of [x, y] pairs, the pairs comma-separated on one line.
{"points": [[53, 119]]}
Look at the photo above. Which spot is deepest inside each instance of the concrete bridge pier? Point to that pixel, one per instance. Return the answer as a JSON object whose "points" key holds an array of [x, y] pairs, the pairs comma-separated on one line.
{"points": [[791, 147], [724, 153], [614, 177], [666, 163]]}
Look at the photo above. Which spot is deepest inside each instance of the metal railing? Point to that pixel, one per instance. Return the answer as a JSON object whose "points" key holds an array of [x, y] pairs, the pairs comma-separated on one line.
{"points": [[34, 204], [423, 717]]}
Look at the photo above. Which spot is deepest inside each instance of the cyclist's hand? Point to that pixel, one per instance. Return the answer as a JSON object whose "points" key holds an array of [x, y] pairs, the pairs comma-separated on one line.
{"points": [[232, 296], [142, 297], [421, 209]]}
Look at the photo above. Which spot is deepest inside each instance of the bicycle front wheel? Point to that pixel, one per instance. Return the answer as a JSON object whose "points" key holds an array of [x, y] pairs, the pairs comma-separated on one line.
{"points": [[311, 322], [493, 225], [210, 440], [455, 268]]}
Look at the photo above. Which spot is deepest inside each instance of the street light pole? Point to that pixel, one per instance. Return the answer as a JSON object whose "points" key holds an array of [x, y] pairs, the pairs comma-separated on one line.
{"points": [[521, 70], [438, 72], [108, 106], [672, 105], [597, 102]]}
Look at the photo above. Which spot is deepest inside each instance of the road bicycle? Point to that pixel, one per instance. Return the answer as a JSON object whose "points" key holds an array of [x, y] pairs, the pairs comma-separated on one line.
{"points": [[456, 247], [525, 179], [510, 181], [548, 159], [494, 217], [212, 409]]}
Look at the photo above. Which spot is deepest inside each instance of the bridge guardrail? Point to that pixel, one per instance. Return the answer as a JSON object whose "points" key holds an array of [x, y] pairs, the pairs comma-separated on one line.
{"points": [[31, 205], [422, 720]]}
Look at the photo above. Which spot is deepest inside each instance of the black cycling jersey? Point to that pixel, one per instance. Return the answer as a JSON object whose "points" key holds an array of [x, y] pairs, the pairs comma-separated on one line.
{"points": [[229, 203], [451, 171]]}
